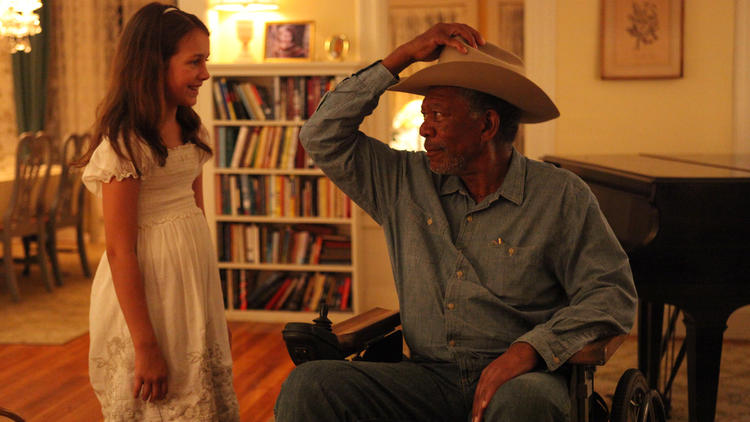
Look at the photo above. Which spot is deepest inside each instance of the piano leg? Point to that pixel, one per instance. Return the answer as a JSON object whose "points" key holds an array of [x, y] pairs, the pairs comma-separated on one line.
{"points": [[650, 318], [704, 332]]}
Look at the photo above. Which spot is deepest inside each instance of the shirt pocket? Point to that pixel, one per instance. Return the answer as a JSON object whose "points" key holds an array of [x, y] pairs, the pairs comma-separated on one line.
{"points": [[515, 273], [422, 238]]}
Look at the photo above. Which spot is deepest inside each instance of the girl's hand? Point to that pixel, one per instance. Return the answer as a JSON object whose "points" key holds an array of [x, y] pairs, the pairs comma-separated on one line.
{"points": [[150, 381]]}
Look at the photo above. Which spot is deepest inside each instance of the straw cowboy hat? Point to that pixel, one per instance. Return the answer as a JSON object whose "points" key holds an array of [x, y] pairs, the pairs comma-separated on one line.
{"points": [[488, 69]]}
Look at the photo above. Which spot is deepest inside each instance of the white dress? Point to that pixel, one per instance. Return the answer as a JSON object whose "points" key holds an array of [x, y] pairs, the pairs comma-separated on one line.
{"points": [[183, 293]]}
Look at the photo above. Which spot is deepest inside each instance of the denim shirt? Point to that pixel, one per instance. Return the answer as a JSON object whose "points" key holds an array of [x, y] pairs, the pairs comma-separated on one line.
{"points": [[533, 262]]}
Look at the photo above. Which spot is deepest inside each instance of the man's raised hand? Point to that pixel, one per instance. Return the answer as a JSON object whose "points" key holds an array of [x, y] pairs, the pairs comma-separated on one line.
{"points": [[428, 45]]}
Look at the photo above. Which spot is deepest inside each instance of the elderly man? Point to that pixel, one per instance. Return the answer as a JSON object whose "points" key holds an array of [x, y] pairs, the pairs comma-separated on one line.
{"points": [[504, 266]]}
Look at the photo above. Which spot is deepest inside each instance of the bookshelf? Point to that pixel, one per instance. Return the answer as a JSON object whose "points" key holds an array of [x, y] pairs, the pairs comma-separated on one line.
{"points": [[285, 235]]}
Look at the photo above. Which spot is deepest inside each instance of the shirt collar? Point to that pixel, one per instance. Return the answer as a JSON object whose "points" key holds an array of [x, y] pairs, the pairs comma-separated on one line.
{"points": [[512, 188]]}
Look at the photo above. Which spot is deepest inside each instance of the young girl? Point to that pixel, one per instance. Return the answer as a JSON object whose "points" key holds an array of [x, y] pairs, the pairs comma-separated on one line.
{"points": [[159, 340]]}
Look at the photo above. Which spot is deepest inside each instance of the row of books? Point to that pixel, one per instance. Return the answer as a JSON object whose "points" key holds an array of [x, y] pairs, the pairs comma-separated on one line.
{"points": [[280, 196], [287, 98], [275, 147], [298, 244], [271, 290]]}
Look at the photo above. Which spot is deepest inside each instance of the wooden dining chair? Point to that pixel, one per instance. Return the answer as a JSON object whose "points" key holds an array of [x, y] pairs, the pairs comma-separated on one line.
{"points": [[25, 214], [68, 205]]}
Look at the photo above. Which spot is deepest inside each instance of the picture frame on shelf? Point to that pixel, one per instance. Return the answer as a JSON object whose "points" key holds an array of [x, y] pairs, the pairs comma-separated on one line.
{"points": [[289, 41], [641, 39]]}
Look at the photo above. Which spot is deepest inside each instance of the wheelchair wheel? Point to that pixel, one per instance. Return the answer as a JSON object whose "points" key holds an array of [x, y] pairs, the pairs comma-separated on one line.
{"points": [[634, 401]]}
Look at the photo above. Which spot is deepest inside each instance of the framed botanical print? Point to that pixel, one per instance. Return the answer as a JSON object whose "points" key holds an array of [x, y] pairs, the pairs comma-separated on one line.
{"points": [[641, 39]]}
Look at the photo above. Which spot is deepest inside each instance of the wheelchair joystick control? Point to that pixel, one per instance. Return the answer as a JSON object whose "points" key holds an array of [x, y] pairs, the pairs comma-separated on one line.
{"points": [[322, 321], [306, 342]]}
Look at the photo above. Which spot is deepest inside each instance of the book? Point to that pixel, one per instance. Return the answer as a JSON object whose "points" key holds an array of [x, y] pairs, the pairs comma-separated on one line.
{"points": [[273, 153], [267, 102], [242, 293], [239, 146], [262, 147], [221, 107], [226, 206], [345, 293], [227, 99], [307, 294], [294, 303], [317, 292], [221, 140], [249, 155], [335, 249], [288, 289], [245, 196], [271, 304], [245, 101], [252, 245], [249, 92], [266, 285], [224, 287], [239, 108]]}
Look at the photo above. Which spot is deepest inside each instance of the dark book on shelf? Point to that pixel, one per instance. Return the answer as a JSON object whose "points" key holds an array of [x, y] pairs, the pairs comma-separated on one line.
{"points": [[265, 101], [346, 292], [227, 99], [267, 284], [335, 249], [279, 294], [247, 110], [295, 299], [221, 106], [224, 287]]}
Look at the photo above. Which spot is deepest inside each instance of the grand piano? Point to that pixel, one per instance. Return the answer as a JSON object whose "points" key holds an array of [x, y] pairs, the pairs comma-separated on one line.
{"points": [[684, 221]]}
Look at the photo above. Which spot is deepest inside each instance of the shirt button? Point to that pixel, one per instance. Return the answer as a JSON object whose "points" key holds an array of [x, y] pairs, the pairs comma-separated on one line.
{"points": [[452, 343], [459, 273], [429, 221], [451, 306], [556, 359], [468, 219], [511, 251], [499, 240]]}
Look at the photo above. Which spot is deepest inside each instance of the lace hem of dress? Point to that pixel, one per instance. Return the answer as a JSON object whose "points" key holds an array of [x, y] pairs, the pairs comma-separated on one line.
{"points": [[211, 397], [155, 221]]}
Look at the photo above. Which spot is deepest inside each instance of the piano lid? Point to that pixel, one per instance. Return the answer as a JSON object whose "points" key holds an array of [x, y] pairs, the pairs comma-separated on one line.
{"points": [[728, 161], [638, 173]]}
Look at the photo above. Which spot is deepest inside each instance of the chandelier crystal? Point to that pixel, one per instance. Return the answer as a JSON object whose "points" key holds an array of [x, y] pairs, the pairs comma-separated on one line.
{"points": [[18, 23]]}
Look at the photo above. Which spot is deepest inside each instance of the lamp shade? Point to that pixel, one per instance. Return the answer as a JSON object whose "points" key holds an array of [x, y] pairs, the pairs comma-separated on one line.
{"points": [[246, 5]]}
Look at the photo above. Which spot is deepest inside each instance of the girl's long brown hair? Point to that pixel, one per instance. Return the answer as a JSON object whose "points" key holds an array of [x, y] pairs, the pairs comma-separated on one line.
{"points": [[132, 108]]}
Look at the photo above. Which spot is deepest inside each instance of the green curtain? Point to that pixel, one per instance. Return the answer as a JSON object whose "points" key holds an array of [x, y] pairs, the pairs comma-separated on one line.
{"points": [[30, 79]]}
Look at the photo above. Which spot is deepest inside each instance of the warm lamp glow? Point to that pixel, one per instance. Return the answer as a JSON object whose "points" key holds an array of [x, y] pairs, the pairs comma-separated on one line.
{"points": [[18, 22], [406, 127], [241, 11], [246, 6]]}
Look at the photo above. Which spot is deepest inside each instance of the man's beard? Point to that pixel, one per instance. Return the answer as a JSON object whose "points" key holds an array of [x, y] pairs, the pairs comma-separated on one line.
{"points": [[451, 165]]}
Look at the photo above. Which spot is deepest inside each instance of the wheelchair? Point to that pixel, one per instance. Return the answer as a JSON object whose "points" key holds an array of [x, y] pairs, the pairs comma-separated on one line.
{"points": [[375, 336]]}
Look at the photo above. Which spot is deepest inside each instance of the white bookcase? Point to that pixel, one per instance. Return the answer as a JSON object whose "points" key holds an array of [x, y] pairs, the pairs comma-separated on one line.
{"points": [[275, 197]]}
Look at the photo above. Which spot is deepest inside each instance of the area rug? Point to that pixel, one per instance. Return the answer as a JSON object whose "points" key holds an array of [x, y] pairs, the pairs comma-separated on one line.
{"points": [[43, 317], [733, 401]]}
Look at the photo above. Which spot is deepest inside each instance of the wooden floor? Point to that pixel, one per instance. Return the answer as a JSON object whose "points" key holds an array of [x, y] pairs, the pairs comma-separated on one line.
{"points": [[50, 383]]}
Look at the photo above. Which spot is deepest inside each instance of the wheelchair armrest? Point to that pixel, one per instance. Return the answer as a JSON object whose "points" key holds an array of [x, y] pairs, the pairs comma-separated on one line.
{"points": [[597, 352], [354, 333]]}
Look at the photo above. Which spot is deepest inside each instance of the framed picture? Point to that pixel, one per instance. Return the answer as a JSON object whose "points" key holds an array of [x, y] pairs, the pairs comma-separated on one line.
{"points": [[287, 41], [642, 39]]}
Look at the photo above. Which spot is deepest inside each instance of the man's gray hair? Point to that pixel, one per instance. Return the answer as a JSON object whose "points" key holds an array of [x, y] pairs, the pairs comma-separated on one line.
{"points": [[510, 115]]}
